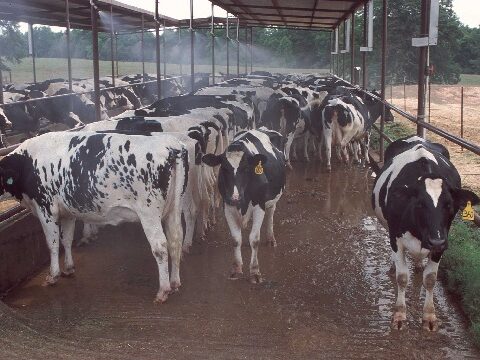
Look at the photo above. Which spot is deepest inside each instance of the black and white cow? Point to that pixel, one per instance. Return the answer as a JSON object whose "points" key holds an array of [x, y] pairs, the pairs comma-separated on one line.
{"points": [[102, 179], [251, 181], [348, 118], [416, 196]]}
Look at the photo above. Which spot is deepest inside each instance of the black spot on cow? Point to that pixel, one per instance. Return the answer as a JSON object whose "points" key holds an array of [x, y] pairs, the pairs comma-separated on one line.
{"points": [[149, 156], [131, 161], [127, 145]]}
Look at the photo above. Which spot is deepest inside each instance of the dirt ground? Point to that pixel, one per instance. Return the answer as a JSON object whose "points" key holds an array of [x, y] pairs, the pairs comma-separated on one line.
{"points": [[327, 293], [445, 111]]}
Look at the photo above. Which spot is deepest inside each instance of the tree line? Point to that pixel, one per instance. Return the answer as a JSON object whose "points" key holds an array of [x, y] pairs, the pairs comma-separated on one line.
{"points": [[458, 49]]}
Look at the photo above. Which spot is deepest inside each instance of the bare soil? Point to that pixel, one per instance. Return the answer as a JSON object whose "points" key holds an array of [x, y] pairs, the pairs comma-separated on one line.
{"points": [[327, 293], [445, 113]]}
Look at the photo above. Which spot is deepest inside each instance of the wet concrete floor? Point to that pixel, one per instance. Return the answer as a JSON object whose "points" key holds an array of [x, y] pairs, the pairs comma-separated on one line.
{"points": [[327, 293]]}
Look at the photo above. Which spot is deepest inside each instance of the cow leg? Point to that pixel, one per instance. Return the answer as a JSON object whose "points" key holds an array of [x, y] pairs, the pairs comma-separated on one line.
{"points": [[356, 149], [158, 243], [52, 235], [174, 234], [320, 146], [429, 320], [258, 215], [366, 146], [89, 233], [327, 144], [401, 270], [269, 212], [67, 230], [287, 148], [234, 221]]}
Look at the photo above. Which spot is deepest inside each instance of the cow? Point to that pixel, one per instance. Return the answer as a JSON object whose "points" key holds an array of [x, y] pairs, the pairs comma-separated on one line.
{"points": [[283, 114], [102, 179], [4, 125], [416, 196], [349, 118], [251, 181]]}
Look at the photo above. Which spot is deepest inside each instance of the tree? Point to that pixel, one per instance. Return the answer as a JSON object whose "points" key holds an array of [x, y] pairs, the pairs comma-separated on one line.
{"points": [[12, 44]]}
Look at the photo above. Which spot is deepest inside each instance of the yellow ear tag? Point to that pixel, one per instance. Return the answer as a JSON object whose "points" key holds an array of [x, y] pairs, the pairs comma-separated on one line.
{"points": [[259, 168], [467, 213]]}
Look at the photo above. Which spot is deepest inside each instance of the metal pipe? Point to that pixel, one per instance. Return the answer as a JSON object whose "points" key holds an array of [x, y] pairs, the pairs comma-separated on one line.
{"points": [[30, 26], [228, 46], [69, 54], [157, 51], [238, 47], [384, 73], [96, 65], [192, 49], [1, 86], [116, 52], [179, 46], [352, 49], [461, 116], [421, 71], [213, 45], [165, 59], [365, 44], [251, 49], [246, 50], [112, 45], [142, 43]]}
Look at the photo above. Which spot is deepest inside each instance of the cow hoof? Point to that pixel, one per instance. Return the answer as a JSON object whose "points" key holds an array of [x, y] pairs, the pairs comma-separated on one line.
{"points": [[399, 321], [272, 242], [256, 279], [68, 272], [430, 323], [50, 280], [162, 296], [329, 169]]}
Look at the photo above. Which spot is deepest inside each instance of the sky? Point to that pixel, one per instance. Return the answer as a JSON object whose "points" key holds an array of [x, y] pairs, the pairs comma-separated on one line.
{"points": [[467, 10]]}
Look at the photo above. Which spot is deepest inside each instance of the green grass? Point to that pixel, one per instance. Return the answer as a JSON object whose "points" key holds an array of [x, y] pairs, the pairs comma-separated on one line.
{"points": [[394, 131], [469, 80], [57, 68], [461, 264]]}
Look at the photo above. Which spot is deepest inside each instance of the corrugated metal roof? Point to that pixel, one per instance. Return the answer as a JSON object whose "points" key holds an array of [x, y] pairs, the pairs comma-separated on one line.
{"points": [[304, 14]]}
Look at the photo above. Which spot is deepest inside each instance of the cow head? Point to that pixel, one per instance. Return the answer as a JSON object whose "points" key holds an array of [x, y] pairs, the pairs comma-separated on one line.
{"points": [[241, 177], [375, 107], [429, 206]]}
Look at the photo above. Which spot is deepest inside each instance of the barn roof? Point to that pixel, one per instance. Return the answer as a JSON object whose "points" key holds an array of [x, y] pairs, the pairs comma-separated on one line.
{"points": [[53, 13], [303, 14]]}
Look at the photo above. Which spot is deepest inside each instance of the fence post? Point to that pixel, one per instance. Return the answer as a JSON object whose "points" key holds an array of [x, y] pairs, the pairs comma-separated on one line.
{"points": [[461, 116], [404, 94]]}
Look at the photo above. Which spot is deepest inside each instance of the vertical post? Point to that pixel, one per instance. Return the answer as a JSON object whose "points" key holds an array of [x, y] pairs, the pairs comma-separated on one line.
{"points": [[112, 45], [251, 49], [421, 71], [352, 49], [69, 55], [96, 67], [246, 50], [365, 44], [238, 47], [116, 52], [157, 51], [384, 73], [404, 94], [213, 45], [164, 45], [429, 100], [192, 56], [32, 40], [391, 91], [461, 116], [228, 52], [179, 46], [1, 86], [142, 42]]}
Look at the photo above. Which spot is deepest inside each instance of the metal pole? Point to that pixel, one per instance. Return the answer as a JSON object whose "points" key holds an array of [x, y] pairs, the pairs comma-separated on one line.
{"points": [[246, 50], [192, 56], [116, 52], [429, 101], [164, 41], [461, 117], [404, 94], [421, 71], [213, 45], [157, 52], [33, 54], [251, 49], [142, 42], [238, 48], [352, 49], [112, 45], [1, 86], [228, 52], [179, 45], [96, 66], [69, 55], [384, 74], [365, 44]]}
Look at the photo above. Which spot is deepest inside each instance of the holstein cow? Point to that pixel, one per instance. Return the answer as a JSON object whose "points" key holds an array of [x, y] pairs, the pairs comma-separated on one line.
{"points": [[349, 118], [416, 196], [251, 181], [102, 179]]}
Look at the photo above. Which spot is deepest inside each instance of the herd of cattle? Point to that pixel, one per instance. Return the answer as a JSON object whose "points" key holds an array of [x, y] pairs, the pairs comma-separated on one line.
{"points": [[170, 166]]}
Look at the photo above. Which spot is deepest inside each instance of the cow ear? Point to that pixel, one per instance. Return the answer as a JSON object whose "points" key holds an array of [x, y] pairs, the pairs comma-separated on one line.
{"points": [[212, 160], [462, 196], [256, 159]]}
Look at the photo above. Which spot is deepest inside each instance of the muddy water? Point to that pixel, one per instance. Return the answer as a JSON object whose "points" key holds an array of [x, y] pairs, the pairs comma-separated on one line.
{"points": [[327, 293]]}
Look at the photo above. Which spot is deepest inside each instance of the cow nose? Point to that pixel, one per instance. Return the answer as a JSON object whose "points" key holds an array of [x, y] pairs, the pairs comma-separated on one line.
{"points": [[437, 244]]}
